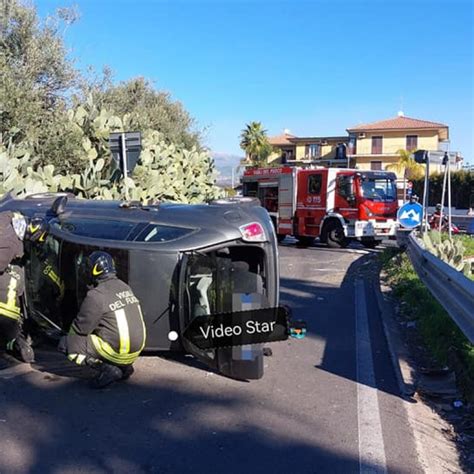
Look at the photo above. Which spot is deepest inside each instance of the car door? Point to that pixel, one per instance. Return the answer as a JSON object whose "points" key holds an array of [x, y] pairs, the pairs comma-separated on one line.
{"points": [[44, 286]]}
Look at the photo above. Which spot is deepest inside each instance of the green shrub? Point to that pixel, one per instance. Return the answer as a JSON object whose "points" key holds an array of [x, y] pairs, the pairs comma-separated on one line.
{"points": [[438, 331]]}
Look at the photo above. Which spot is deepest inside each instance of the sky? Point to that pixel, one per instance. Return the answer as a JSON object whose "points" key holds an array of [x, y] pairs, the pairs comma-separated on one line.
{"points": [[313, 67]]}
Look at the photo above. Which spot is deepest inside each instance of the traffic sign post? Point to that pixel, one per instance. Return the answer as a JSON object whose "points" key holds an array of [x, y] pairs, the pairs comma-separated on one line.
{"points": [[125, 148], [410, 215]]}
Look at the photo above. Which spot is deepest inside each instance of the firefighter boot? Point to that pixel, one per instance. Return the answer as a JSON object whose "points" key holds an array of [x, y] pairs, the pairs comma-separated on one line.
{"points": [[107, 374], [127, 371], [21, 349]]}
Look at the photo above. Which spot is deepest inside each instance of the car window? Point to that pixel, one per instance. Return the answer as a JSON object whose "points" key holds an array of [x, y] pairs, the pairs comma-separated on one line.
{"points": [[162, 233], [99, 229]]}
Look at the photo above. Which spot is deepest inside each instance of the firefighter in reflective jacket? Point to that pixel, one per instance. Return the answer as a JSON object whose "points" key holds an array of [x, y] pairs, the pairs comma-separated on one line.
{"points": [[12, 338], [108, 334]]}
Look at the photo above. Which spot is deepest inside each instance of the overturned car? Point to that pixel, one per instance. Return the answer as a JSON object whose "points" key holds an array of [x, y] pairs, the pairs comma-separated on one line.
{"points": [[185, 263]]}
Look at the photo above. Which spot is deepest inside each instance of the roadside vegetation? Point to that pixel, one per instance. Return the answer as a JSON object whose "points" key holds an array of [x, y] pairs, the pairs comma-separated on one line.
{"points": [[440, 335], [55, 121]]}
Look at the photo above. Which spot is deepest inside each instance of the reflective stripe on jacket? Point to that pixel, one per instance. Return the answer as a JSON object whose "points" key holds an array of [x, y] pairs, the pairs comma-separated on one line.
{"points": [[11, 288]]}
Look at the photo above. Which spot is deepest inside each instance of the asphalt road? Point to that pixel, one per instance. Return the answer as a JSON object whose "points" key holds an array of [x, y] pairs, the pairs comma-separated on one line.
{"points": [[327, 403]]}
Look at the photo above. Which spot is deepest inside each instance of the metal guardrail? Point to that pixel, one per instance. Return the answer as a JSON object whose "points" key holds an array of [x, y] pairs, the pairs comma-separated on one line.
{"points": [[453, 290]]}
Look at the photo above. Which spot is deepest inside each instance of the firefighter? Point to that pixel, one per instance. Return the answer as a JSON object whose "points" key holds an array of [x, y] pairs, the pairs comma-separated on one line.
{"points": [[12, 337], [435, 218], [108, 333]]}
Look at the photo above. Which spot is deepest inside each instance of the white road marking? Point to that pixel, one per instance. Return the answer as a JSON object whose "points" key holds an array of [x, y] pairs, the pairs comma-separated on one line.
{"points": [[371, 446]]}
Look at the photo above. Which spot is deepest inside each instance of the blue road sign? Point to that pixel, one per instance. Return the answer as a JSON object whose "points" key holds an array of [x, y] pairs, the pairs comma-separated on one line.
{"points": [[410, 215]]}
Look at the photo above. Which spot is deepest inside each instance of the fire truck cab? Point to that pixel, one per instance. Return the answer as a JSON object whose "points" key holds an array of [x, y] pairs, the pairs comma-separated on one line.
{"points": [[334, 204]]}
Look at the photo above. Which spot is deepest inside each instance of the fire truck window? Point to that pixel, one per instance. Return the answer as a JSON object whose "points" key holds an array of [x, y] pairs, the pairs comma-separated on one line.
{"points": [[314, 183]]}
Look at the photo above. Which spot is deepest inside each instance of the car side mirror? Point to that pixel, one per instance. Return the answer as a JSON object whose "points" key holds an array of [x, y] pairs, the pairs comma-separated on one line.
{"points": [[59, 205]]}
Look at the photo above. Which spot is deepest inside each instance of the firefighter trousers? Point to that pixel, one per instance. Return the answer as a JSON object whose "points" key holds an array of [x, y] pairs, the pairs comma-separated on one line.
{"points": [[81, 350]]}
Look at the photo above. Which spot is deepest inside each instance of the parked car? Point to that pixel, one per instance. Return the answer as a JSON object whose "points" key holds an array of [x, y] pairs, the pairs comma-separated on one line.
{"points": [[182, 261]]}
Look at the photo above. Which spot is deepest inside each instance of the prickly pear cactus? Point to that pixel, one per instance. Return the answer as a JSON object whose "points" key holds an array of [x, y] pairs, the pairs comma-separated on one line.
{"points": [[450, 251], [166, 172]]}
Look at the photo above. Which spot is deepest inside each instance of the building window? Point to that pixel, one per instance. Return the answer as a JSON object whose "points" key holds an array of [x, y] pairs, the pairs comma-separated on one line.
{"points": [[313, 151], [352, 147], [377, 145], [286, 156], [376, 165], [341, 151], [412, 142], [314, 183]]}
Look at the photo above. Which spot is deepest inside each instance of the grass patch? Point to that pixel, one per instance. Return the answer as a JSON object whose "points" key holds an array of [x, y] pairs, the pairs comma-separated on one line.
{"points": [[468, 243], [438, 331], [466, 240]]}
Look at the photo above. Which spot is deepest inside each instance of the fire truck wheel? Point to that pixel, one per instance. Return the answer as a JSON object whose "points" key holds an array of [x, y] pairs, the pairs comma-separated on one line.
{"points": [[334, 235], [281, 237]]}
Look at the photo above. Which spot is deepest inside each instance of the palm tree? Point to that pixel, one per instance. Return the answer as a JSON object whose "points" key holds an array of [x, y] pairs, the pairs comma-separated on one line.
{"points": [[254, 141], [407, 167]]}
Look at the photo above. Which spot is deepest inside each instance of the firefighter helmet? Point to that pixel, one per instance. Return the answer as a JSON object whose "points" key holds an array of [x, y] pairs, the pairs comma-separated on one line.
{"points": [[37, 230], [100, 264]]}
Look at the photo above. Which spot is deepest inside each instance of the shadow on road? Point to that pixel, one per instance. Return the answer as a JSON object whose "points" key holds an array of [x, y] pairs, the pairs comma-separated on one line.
{"points": [[58, 425]]}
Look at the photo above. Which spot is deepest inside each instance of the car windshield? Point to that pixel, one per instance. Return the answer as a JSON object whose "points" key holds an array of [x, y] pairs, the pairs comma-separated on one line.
{"points": [[379, 189]]}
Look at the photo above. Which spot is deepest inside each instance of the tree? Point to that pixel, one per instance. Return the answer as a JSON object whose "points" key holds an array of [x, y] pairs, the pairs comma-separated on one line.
{"points": [[36, 77], [55, 122], [254, 141], [407, 167], [146, 108]]}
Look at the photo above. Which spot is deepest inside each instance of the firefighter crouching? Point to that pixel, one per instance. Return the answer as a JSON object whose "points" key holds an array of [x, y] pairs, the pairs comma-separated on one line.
{"points": [[108, 333], [12, 338]]}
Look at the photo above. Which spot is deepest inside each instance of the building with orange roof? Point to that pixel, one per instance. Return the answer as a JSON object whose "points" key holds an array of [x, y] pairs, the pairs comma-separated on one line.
{"points": [[371, 146]]}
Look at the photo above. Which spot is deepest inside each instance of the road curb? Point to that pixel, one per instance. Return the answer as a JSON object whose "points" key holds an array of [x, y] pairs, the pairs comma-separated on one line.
{"points": [[405, 371]]}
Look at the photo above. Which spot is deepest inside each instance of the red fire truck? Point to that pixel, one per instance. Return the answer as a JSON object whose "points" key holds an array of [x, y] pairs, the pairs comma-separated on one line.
{"points": [[334, 204]]}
